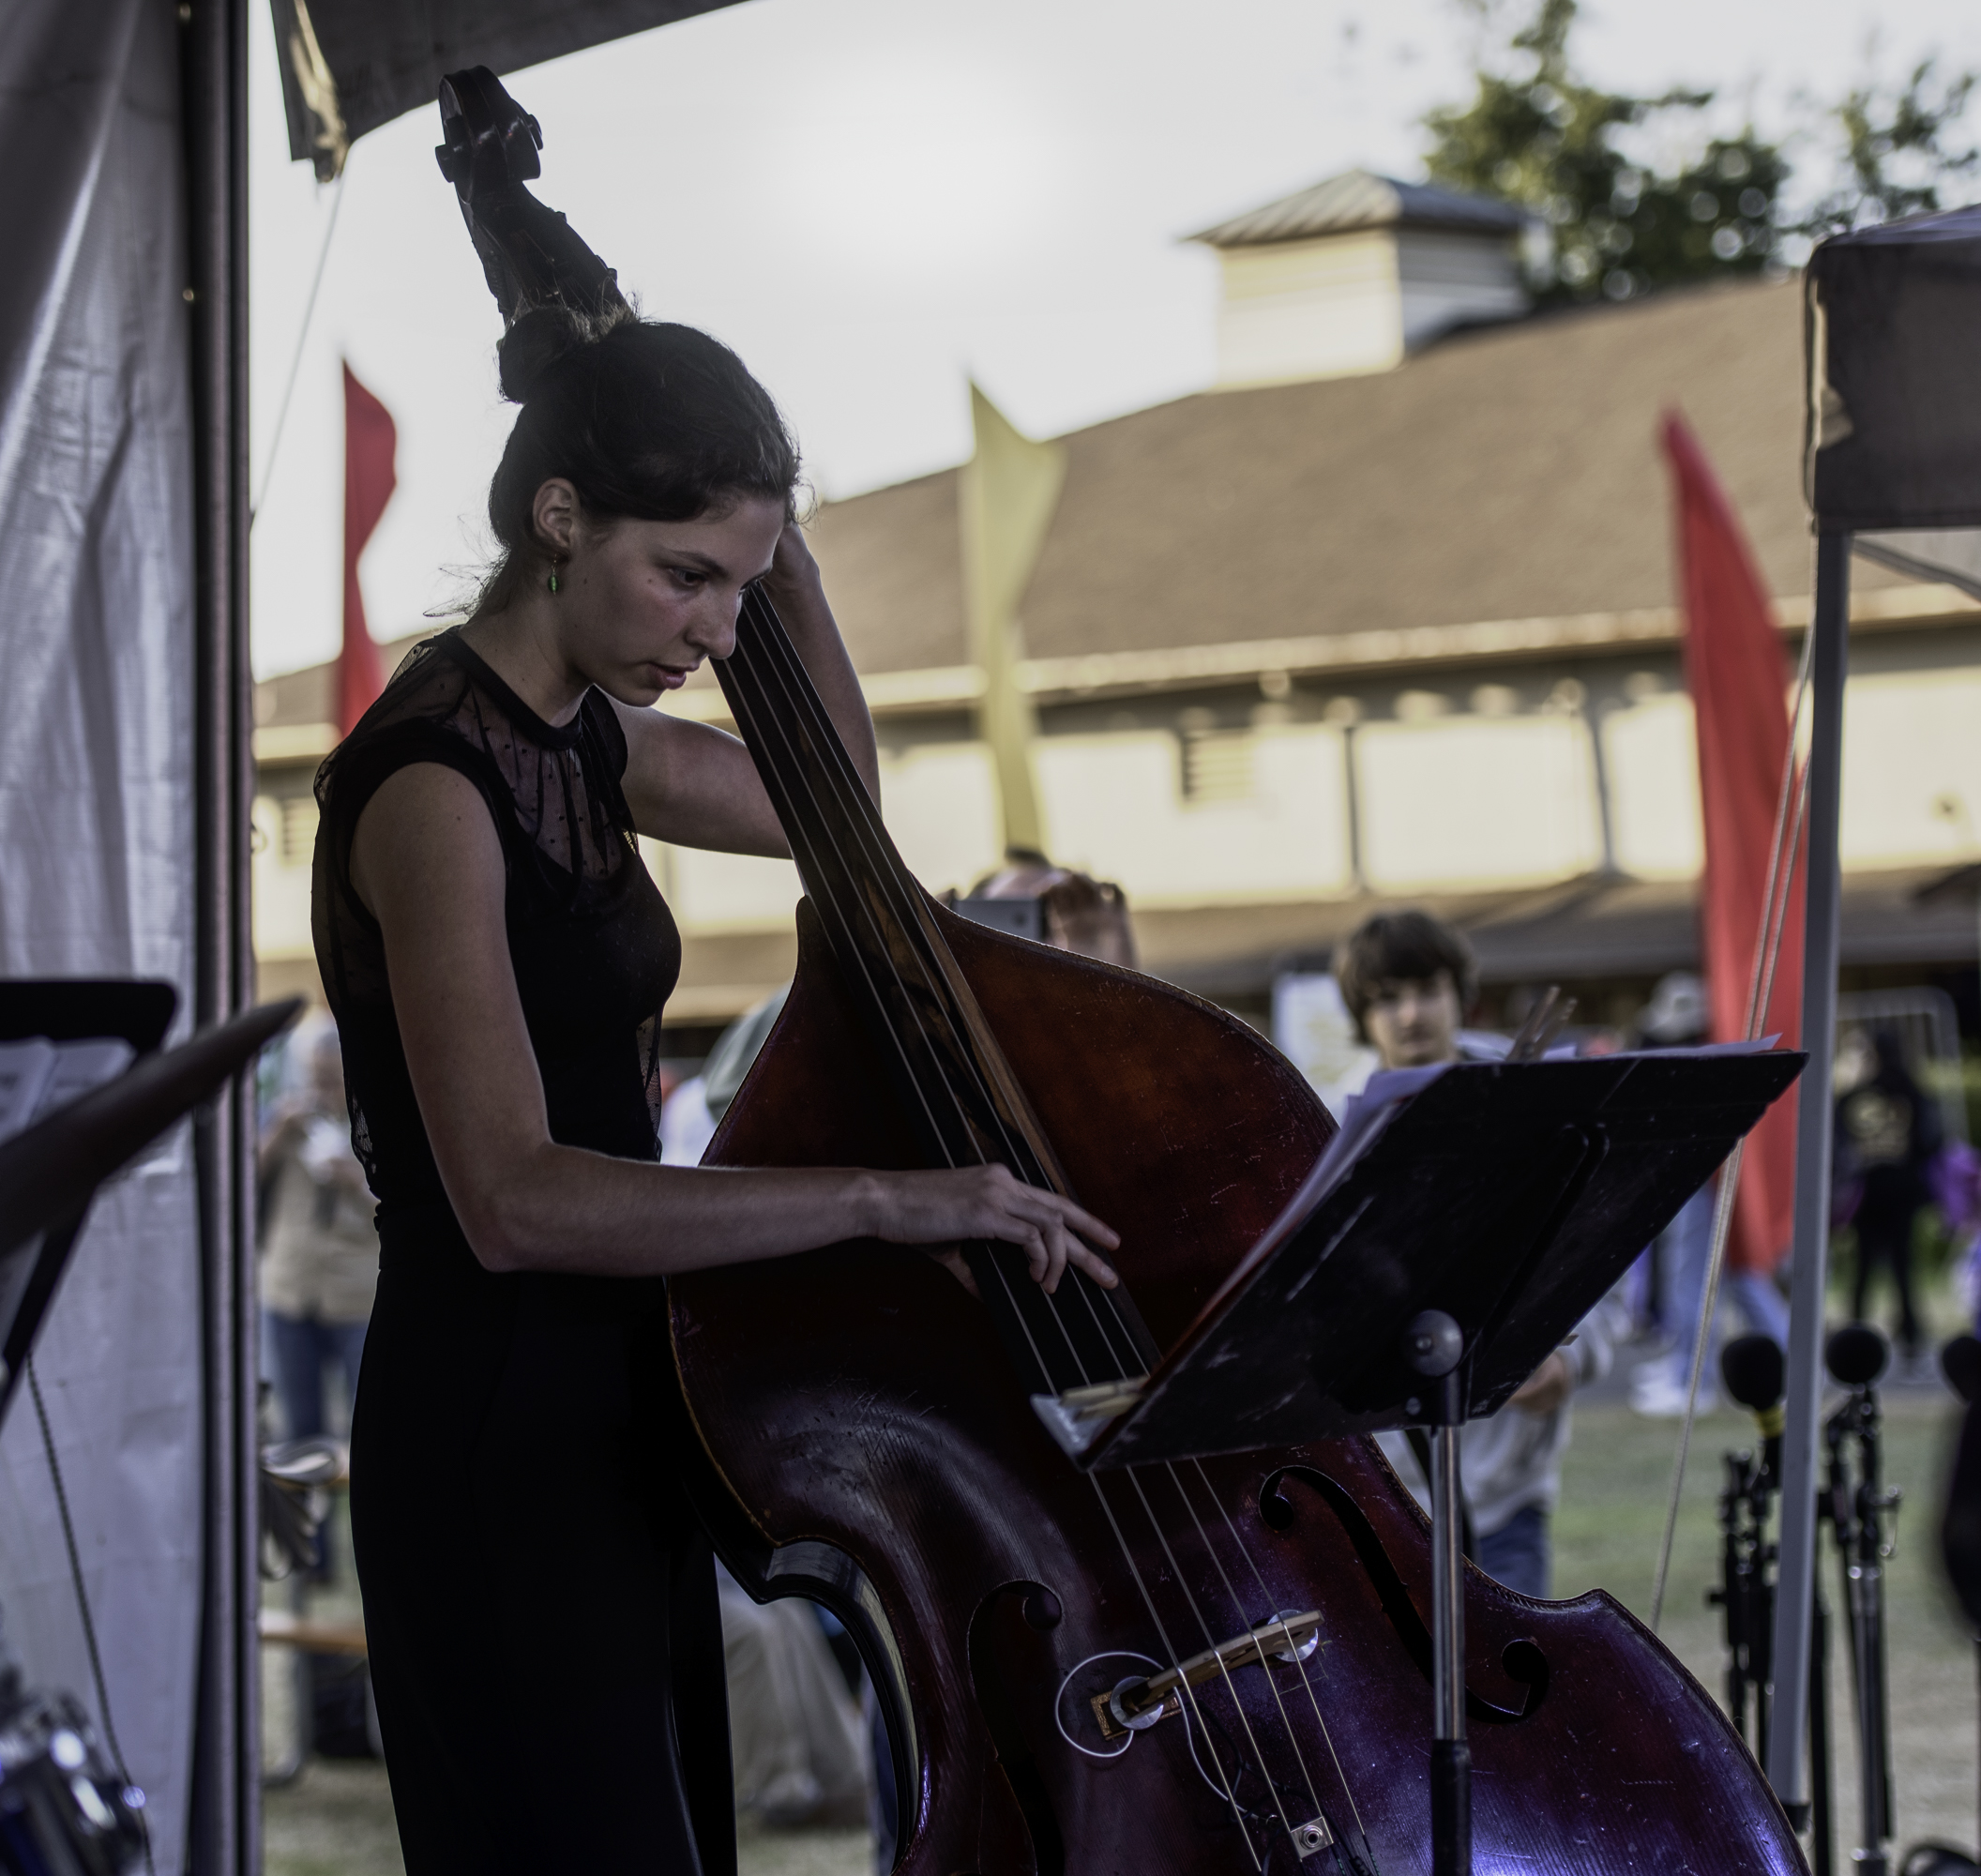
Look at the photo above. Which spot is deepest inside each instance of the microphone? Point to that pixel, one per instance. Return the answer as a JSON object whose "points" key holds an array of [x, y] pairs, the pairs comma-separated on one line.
{"points": [[1754, 1373], [1857, 1355], [1960, 1362]]}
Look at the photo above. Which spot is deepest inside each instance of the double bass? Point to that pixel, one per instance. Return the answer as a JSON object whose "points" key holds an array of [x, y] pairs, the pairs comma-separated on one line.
{"points": [[869, 1438]]}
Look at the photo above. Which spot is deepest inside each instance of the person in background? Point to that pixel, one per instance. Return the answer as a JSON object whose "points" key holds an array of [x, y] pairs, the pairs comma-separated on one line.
{"points": [[319, 1250], [1676, 1018], [1078, 911], [1409, 979], [694, 1109], [1887, 1133]]}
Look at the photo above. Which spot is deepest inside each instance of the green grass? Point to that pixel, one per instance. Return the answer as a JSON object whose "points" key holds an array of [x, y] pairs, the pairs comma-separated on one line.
{"points": [[1614, 1494], [336, 1820]]}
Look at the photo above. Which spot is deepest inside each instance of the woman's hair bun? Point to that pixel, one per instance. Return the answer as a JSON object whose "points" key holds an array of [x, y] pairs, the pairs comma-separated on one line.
{"points": [[643, 419], [538, 342]]}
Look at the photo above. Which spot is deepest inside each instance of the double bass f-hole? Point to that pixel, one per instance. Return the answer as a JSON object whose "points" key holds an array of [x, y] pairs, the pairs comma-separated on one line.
{"points": [[1522, 1658]]}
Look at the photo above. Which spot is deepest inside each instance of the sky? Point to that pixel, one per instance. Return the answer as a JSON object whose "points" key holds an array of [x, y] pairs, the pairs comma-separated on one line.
{"points": [[874, 201]]}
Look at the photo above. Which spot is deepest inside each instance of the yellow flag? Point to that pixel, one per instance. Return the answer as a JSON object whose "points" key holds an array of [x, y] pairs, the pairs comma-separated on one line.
{"points": [[1007, 491]]}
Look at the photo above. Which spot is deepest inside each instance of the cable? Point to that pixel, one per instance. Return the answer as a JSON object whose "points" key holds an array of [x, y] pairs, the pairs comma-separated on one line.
{"points": [[89, 1625], [295, 364], [1761, 990]]}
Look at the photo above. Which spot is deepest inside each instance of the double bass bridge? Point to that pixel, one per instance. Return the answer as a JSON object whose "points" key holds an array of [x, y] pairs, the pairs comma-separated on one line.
{"points": [[1138, 1702]]}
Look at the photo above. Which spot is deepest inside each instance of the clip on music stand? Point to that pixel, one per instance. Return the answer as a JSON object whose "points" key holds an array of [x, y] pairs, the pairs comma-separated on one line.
{"points": [[1464, 1223], [50, 1171]]}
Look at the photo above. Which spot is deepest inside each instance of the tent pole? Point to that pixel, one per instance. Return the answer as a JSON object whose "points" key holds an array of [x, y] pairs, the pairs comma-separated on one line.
{"points": [[224, 1825], [1787, 1767]]}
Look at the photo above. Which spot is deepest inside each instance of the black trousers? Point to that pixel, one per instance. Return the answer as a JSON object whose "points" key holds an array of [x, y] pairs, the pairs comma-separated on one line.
{"points": [[1885, 1236], [539, 1602]]}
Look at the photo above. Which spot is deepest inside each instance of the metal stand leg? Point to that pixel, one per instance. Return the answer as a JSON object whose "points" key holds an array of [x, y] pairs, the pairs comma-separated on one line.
{"points": [[1433, 1346], [1450, 1753], [1822, 1838]]}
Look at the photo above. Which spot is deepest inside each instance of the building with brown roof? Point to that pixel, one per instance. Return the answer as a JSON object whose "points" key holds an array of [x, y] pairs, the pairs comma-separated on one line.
{"points": [[1303, 648]]}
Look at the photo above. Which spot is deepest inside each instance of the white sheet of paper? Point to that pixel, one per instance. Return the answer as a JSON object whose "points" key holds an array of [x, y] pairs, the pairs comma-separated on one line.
{"points": [[82, 1066], [25, 1067]]}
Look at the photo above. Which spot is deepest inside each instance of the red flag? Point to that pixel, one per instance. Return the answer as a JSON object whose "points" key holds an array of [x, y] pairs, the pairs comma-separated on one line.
{"points": [[1736, 672], [370, 445]]}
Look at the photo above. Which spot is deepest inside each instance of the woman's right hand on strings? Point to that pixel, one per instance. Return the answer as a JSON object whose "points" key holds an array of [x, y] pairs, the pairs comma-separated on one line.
{"points": [[976, 1204]]}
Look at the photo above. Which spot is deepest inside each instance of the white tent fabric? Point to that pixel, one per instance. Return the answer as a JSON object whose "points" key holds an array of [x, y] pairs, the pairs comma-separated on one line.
{"points": [[97, 801], [1949, 554]]}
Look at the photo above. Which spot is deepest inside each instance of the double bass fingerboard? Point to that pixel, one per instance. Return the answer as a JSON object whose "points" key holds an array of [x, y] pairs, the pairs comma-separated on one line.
{"points": [[958, 1091]]}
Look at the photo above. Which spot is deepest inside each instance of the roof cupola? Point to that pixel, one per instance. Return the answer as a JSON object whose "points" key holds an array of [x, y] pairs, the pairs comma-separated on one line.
{"points": [[1357, 272]]}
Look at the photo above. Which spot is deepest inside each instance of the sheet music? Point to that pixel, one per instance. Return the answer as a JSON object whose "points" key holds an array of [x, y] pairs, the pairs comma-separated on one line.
{"points": [[1388, 1092], [84, 1065], [1512, 1195], [25, 1067], [38, 1076]]}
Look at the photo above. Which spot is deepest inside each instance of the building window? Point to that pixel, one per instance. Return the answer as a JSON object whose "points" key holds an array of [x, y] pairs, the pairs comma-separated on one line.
{"points": [[298, 839], [1217, 764]]}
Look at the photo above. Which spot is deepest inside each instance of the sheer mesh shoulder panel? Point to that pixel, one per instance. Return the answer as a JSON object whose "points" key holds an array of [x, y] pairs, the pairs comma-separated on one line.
{"points": [[595, 951]]}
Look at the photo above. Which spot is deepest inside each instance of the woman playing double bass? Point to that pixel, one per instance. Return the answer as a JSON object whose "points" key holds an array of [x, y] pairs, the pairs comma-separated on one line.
{"points": [[497, 958]]}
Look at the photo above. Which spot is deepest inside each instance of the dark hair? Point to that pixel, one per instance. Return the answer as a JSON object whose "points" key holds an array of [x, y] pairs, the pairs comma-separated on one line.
{"points": [[1893, 1072], [1403, 947], [643, 418]]}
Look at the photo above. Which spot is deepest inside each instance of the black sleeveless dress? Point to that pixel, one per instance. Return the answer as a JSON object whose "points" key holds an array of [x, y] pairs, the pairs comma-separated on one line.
{"points": [[539, 1603]]}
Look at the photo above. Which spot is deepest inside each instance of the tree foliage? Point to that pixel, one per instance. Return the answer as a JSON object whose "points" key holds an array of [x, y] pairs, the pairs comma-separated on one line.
{"points": [[1537, 135], [1895, 153]]}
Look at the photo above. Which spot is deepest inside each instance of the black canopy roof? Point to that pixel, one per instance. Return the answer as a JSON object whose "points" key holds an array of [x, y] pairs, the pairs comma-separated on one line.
{"points": [[1894, 376], [349, 65]]}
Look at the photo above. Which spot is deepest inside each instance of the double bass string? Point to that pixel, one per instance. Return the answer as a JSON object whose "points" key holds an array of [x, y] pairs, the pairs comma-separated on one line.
{"points": [[1085, 1292], [1327, 1738], [1210, 1641], [1203, 1538], [819, 881], [884, 863], [1229, 1790], [802, 701], [799, 696], [855, 807]]}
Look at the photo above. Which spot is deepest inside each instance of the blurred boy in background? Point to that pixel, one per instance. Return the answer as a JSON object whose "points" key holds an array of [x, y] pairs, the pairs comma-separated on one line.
{"points": [[1408, 980]]}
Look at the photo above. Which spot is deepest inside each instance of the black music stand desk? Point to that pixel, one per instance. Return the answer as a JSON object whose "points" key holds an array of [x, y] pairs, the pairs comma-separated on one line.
{"points": [[50, 1171], [1457, 1230]]}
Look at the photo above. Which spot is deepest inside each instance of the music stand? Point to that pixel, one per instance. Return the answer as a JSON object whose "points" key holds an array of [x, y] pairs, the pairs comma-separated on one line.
{"points": [[1463, 1223], [50, 1171]]}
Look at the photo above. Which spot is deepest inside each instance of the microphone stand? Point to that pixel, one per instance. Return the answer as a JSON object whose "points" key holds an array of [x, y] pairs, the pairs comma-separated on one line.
{"points": [[1822, 1835], [1857, 1509], [1747, 1594], [1433, 1346], [1960, 1364], [1752, 1372]]}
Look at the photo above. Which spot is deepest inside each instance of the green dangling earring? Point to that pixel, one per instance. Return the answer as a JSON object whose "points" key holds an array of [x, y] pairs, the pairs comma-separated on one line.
{"points": [[554, 576]]}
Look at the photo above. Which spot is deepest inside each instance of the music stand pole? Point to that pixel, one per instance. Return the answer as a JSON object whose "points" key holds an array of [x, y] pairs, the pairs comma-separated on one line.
{"points": [[1433, 1345], [1795, 1575]]}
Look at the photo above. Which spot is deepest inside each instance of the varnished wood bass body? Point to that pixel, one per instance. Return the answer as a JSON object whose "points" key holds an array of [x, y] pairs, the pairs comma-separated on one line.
{"points": [[869, 1427]]}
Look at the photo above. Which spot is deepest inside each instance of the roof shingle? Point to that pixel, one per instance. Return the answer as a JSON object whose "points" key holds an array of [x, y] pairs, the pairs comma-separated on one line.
{"points": [[1358, 200], [1509, 472]]}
